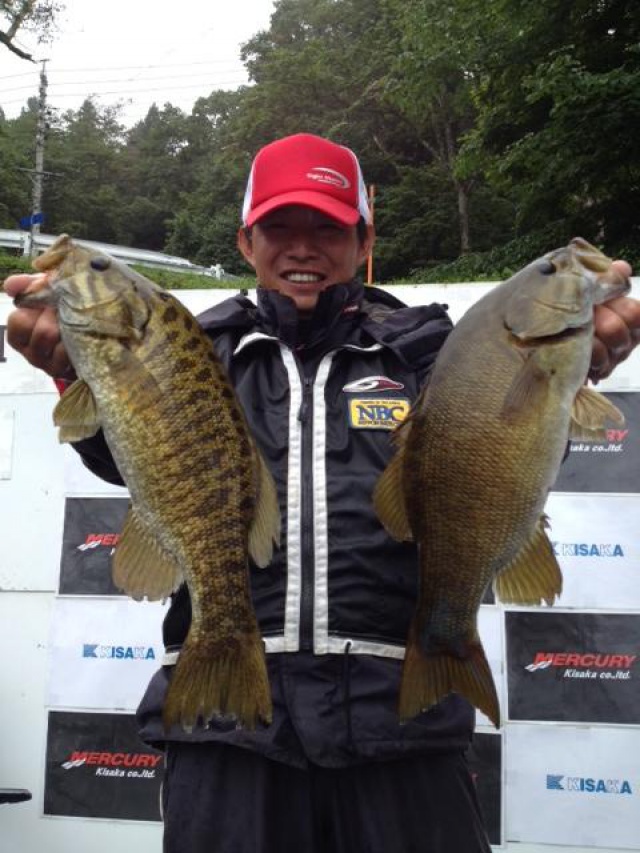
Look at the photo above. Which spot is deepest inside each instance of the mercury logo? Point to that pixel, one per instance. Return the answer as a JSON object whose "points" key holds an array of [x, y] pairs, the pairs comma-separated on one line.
{"points": [[132, 765], [95, 540], [543, 660], [111, 759], [588, 785]]}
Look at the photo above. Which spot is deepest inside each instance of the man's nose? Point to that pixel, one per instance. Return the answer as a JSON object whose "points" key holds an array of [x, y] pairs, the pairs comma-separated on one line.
{"points": [[301, 244]]}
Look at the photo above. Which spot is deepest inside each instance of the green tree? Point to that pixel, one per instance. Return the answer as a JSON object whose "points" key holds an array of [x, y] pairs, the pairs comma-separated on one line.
{"points": [[16, 159], [558, 99], [82, 198]]}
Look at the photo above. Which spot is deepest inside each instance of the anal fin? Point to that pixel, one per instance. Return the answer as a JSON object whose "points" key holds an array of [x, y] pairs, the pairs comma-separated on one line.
{"points": [[139, 567], [534, 575]]}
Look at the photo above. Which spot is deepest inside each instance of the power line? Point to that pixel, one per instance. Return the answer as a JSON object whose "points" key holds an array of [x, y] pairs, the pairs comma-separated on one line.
{"points": [[55, 70], [54, 97], [53, 85]]}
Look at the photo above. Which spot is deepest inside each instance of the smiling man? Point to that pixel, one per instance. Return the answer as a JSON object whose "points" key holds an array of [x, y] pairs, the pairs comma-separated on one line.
{"points": [[307, 226], [325, 369]]}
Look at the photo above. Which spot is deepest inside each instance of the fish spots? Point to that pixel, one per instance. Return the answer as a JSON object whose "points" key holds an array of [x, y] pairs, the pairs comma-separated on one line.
{"points": [[184, 364], [197, 396], [172, 336], [226, 393], [203, 375], [170, 314], [187, 322], [192, 344]]}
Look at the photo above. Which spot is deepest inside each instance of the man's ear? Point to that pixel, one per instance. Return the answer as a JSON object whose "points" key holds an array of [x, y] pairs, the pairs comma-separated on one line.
{"points": [[245, 246], [367, 244]]}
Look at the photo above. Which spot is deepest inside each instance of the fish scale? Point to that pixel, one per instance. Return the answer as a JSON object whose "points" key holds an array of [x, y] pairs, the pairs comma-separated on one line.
{"points": [[202, 498], [477, 456]]}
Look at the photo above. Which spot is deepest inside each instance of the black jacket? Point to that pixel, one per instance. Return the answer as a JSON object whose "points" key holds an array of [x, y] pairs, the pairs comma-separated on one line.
{"points": [[335, 603]]}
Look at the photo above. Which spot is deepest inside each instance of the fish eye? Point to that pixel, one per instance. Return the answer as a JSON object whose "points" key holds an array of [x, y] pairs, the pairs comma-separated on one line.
{"points": [[100, 263], [546, 267]]}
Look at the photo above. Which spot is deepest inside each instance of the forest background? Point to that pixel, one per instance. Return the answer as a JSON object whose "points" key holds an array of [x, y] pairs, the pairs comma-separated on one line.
{"points": [[492, 130]]}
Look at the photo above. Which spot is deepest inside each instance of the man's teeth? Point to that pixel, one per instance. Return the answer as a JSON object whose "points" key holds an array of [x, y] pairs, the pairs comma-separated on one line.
{"points": [[303, 277]]}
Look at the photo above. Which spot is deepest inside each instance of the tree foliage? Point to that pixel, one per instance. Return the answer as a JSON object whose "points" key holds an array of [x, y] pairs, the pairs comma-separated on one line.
{"points": [[486, 127], [27, 16]]}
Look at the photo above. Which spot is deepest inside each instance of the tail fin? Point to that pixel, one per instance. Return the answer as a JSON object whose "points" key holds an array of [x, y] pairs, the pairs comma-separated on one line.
{"points": [[428, 677], [229, 681]]}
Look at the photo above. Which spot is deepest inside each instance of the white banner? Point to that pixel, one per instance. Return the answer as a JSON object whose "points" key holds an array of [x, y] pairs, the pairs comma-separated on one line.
{"points": [[103, 652], [490, 627], [574, 786], [595, 538], [6, 442]]}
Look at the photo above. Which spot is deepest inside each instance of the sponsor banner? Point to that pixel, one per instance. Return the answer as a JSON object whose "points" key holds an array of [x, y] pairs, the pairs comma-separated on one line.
{"points": [[573, 667], [485, 763], [596, 542], [611, 465], [490, 628], [6, 442], [573, 786], [92, 529], [97, 767], [103, 652]]}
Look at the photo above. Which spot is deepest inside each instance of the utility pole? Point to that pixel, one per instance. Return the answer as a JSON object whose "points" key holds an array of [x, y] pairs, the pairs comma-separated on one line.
{"points": [[38, 177]]}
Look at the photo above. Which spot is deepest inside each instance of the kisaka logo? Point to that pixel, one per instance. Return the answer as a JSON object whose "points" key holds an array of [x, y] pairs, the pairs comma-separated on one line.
{"points": [[95, 651], [588, 785], [588, 549]]}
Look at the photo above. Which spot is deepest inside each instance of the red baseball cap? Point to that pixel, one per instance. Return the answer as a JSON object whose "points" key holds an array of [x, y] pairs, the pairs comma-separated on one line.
{"points": [[307, 170]]}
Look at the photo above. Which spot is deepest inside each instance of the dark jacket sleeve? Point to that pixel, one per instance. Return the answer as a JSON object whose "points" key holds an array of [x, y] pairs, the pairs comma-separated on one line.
{"points": [[96, 456]]}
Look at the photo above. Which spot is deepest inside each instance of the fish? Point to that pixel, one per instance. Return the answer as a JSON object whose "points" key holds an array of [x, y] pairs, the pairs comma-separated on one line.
{"points": [[477, 455], [202, 497]]}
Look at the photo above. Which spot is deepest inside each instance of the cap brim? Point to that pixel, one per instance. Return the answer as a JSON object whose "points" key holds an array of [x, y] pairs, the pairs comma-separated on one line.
{"points": [[343, 213]]}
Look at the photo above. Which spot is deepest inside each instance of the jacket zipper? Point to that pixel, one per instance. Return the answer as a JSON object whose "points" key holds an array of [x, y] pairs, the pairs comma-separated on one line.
{"points": [[307, 547]]}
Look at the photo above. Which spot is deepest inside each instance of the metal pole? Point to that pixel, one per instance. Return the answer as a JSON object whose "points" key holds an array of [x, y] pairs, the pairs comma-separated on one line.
{"points": [[372, 196], [38, 176]]}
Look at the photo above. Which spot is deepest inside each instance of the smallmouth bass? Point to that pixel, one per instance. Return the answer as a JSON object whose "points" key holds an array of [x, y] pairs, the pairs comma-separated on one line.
{"points": [[477, 456], [202, 498]]}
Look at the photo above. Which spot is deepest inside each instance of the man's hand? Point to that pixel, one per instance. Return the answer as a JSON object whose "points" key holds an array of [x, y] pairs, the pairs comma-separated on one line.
{"points": [[34, 332], [617, 331]]}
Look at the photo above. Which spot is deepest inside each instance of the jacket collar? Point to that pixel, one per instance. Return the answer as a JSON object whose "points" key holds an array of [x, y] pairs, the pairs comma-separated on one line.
{"points": [[327, 326]]}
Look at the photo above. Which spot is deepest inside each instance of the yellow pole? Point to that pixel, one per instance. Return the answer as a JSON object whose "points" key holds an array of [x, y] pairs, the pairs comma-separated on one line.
{"points": [[372, 195]]}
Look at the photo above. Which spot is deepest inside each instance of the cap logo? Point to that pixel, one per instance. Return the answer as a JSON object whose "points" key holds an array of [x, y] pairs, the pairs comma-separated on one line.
{"points": [[325, 175]]}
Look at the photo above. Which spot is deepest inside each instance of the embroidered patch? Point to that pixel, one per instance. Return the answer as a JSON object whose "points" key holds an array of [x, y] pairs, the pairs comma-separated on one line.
{"points": [[382, 413], [372, 383]]}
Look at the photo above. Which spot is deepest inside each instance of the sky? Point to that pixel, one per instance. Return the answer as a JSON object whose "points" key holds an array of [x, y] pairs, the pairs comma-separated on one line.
{"points": [[130, 52]]}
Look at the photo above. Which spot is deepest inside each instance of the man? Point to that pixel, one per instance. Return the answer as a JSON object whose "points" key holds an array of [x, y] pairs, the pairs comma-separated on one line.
{"points": [[323, 368]]}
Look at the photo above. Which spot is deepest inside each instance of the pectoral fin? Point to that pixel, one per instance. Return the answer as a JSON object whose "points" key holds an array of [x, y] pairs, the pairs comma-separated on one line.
{"points": [[265, 528], [139, 567], [590, 413], [534, 575], [76, 414], [528, 389]]}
